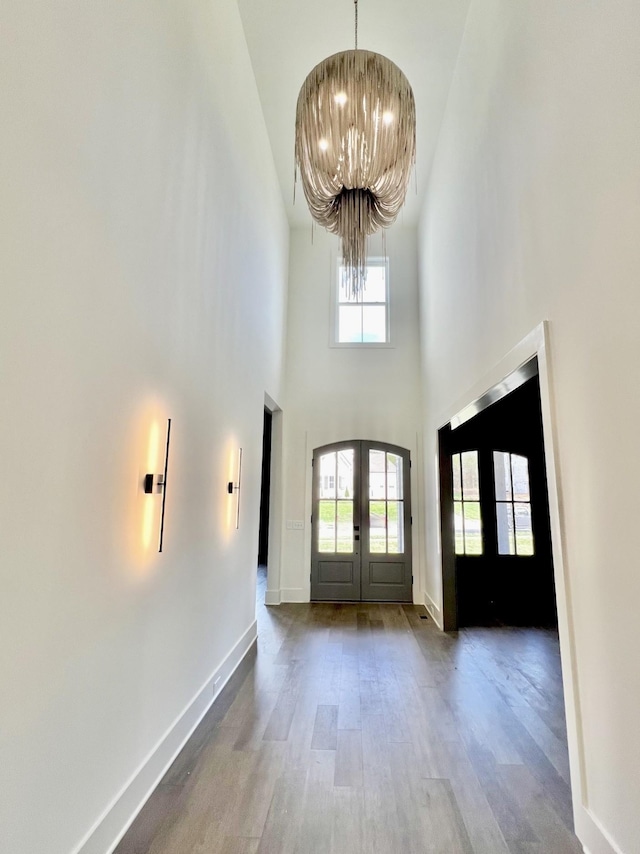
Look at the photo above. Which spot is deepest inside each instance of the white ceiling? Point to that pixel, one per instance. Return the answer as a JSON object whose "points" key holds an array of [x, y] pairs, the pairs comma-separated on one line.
{"points": [[287, 38]]}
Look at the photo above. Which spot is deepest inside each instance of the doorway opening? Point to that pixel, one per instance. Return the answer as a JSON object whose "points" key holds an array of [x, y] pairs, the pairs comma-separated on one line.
{"points": [[265, 492], [497, 557], [528, 359], [361, 523]]}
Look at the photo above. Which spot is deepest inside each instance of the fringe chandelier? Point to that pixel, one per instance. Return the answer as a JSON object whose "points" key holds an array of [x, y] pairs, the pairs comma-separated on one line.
{"points": [[355, 149]]}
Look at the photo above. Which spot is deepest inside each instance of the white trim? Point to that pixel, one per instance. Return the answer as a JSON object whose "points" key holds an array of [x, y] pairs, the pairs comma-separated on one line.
{"points": [[273, 597], [434, 611], [110, 827], [529, 347], [566, 628], [363, 345], [294, 594], [594, 837], [270, 403]]}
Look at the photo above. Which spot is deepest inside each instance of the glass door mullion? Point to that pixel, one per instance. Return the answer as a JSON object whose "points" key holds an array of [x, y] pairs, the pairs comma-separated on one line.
{"points": [[386, 503]]}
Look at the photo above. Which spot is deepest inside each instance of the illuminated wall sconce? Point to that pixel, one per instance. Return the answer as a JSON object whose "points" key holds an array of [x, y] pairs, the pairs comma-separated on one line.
{"points": [[157, 484], [233, 487]]}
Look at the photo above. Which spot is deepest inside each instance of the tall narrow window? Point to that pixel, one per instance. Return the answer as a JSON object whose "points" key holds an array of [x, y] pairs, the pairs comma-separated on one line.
{"points": [[466, 503], [364, 319], [513, 504], [386, 503], [335, 504]]}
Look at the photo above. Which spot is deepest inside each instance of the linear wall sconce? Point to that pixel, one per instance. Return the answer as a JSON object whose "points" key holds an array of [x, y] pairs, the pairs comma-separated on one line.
{"points": [[233, 487], [157, 483]]}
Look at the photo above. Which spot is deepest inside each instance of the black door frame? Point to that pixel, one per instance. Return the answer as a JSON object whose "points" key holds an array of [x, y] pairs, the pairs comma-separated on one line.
{"points": [[265, 489], [276, 511], [447, 532]]}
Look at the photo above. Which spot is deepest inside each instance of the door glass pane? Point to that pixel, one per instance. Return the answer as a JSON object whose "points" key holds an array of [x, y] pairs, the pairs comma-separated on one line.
{"points": [[345, 527], [377, 486], [520, 471], [470, 479], [395, 527], [345, 473], [457, 513], [524, 531], [502, 471], [327, 486], [378, 526], [395, 487], [327, 526], [457, 479], [350, 324], [374, 323], [506, 541], [472, 528]]}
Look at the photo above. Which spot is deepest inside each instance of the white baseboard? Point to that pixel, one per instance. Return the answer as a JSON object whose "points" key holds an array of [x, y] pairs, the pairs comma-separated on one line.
{"points": [[272, 597], [434, 611], [109, 829], [294, 594], [593, 835]]}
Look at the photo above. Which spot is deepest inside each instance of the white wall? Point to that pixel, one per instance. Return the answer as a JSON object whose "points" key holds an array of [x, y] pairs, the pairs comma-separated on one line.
{"points": [[533, 212], [144, 263], [343, 393]]}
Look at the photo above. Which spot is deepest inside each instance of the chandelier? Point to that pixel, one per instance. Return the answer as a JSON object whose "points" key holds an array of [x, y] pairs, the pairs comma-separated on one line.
{"points": [[355, 149]]}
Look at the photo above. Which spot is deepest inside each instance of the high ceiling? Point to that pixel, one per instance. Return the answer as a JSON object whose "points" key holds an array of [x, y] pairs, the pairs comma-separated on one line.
{"points": [[287, 38]]}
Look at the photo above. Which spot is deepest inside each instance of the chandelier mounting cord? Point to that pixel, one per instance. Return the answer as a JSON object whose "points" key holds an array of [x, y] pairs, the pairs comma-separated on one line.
{"points": [[355, 3]]}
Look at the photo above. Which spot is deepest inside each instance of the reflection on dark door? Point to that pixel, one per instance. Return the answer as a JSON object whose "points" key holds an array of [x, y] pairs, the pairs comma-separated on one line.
{"points": [[361, 537]]}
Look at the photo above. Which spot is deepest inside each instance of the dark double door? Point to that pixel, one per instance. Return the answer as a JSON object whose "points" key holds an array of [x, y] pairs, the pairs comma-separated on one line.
{"points": [[502, 538], [361, 523]]}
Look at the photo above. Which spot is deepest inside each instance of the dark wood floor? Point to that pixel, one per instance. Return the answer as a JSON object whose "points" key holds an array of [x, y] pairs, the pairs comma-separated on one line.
{"points": [[362, 729]]}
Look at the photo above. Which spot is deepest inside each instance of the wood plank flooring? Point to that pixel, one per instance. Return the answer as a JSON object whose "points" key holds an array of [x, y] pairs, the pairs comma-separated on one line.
{"points": [[362, 729]]}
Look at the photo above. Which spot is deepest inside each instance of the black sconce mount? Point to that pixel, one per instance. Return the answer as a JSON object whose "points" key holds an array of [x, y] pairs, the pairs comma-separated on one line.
{"points": [[153, 483]]}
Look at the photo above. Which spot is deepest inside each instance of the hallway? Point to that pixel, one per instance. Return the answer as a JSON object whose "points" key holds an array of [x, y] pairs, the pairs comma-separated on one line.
{"points": [[362, 728]]}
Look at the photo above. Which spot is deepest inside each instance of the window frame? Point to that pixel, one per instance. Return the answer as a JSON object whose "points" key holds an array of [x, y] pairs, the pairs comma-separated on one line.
{"points": [[462, 501], [372, 261], [512, 502]]}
